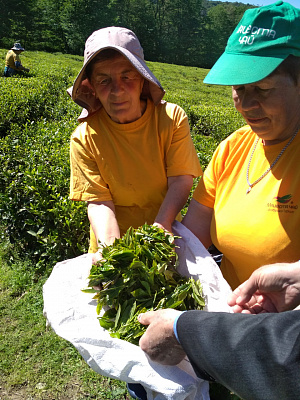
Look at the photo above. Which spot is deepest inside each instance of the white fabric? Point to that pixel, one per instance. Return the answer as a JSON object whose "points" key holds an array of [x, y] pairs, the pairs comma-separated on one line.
{"points": [[195, 261], [72, 315]]}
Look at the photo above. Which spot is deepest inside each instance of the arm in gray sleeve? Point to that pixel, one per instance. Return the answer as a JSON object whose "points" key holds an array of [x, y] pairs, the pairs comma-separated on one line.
{"points": [[255, 356]]}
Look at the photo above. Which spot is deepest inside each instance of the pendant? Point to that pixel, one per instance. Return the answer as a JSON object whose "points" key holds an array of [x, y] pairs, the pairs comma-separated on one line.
{"points": [[249, 189]]}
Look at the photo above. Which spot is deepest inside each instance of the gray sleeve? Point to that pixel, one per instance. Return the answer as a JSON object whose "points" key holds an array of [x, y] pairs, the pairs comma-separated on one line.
{"points": [[255, 356]]}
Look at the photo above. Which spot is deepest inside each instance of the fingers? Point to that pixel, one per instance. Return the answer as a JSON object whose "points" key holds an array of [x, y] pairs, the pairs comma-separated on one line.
{"points": [[167, 229], [239, 309], [243, 293], [238, 296], [96, 257], [146, 318]]}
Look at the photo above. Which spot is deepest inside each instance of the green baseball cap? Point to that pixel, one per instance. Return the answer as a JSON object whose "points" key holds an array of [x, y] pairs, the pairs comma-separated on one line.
{"points": [[264, 37]]}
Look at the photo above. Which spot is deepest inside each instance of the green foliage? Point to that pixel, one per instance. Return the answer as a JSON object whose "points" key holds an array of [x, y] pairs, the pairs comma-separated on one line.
{"points": [[41, 93], [38, 216], [222, 20], [171, 31], [36, 122], [136, 274]]}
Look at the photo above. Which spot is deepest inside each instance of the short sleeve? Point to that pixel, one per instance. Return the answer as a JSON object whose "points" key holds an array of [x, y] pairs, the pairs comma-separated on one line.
{"points": [[86, 182], [181, 157], [205, 191]]}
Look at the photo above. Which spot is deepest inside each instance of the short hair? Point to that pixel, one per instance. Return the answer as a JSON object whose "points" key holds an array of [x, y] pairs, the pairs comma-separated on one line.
{"points": [[290, 66], [104, 55]]}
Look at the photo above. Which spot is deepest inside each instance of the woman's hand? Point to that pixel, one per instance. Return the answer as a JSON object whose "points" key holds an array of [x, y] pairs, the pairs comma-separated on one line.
{"points": [[96, 257], [167, 229]]}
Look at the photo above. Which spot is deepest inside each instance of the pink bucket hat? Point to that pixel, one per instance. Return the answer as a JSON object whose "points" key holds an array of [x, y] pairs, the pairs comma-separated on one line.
{"points": [[126, 42]]}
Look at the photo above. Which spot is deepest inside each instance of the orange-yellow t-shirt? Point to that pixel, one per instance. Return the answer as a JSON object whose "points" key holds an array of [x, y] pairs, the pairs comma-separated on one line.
{"points": [[261, 227], [11, 59], [130, 163]]}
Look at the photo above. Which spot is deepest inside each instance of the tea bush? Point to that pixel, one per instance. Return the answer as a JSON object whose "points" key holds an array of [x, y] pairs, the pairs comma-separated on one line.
{"points": [[36, 121], [39, 218], [39, 94], [37, 118]]}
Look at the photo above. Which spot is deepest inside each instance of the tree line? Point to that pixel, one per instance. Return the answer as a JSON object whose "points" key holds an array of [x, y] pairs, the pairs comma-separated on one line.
{"points": [[185, 32]]}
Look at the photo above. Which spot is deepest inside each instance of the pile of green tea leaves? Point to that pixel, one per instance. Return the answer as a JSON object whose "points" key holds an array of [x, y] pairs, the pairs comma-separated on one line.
{"points": [[138, 273]]}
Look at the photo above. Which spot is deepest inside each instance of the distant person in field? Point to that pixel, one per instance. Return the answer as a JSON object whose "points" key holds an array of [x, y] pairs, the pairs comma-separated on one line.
{"points": [[248, 202], [132, 156], [13, 63]]}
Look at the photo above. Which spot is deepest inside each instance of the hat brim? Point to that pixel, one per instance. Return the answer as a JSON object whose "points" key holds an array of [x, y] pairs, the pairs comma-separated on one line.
{"points": [[241, 69], [156, 90]]}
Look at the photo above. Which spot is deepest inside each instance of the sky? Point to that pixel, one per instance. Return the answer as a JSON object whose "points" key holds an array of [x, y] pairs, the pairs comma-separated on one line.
{"points": [[295, 3]]}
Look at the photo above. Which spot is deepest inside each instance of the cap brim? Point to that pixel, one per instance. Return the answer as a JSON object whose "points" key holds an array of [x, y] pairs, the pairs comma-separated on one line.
{"points": [[241, 69]]}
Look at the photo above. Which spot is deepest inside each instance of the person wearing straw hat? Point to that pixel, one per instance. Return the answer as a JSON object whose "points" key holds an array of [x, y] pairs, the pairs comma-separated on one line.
{"points": [[248, 202], [13, 63], [132, 156]]}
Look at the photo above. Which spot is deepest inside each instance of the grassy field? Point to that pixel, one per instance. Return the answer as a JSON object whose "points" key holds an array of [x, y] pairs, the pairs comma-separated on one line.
{"points": [[40, 226]]}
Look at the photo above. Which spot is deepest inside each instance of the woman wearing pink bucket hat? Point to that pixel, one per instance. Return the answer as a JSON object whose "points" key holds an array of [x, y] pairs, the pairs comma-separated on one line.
{"points": [[132, 156]]}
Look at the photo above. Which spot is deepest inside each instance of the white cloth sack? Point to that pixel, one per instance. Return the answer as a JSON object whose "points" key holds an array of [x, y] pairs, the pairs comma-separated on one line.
{"points": [[72, 315]]}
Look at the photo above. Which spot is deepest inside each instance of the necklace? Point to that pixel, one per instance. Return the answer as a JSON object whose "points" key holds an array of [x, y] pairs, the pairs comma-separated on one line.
{"points": [[250, 185]]}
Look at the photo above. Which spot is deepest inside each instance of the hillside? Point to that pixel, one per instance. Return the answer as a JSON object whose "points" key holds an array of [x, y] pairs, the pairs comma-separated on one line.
{"points": [[171, 31]]}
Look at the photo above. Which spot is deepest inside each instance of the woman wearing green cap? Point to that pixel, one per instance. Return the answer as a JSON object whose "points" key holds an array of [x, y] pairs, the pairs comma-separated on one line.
{"points": [[248, 205], [248, 202], [132, 156]]}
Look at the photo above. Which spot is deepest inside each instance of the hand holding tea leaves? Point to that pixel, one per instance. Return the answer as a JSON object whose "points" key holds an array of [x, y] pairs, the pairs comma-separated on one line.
{"points": [[138, 273]]}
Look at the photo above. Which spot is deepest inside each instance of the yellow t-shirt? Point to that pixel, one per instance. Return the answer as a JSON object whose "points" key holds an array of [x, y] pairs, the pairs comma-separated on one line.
{"points": [[11, 58], [130, 163], [261, 227]]}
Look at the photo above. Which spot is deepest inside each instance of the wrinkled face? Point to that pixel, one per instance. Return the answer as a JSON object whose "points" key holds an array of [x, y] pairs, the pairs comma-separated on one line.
{"points": [[271, 106], [118, 85]]}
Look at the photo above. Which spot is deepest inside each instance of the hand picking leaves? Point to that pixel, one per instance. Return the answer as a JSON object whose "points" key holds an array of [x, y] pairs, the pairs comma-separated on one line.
{"points": [[138, 273]]}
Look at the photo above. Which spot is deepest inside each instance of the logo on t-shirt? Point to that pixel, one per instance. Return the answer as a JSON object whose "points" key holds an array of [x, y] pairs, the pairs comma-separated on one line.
{"points": [[282, 204], [284, 199]]}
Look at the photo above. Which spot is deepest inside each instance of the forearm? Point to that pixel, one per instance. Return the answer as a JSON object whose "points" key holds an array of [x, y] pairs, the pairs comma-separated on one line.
{"points": [[103, 221], [254, 356], [19, 66], [179, 188], [198, 220]]}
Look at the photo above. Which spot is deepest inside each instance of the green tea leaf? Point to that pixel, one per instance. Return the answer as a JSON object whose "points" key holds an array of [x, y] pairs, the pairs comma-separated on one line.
{"points": [[138, 273]]}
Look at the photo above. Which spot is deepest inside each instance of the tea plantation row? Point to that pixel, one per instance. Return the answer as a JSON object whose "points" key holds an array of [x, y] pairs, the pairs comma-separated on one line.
{"points": [[36, 121]]}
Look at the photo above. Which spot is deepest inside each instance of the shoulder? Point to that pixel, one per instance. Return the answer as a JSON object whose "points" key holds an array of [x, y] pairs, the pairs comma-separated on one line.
{"points": [[238, 138], [88, 125], [171, 111], [81, 131], [174, 109], [239, 134]]}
